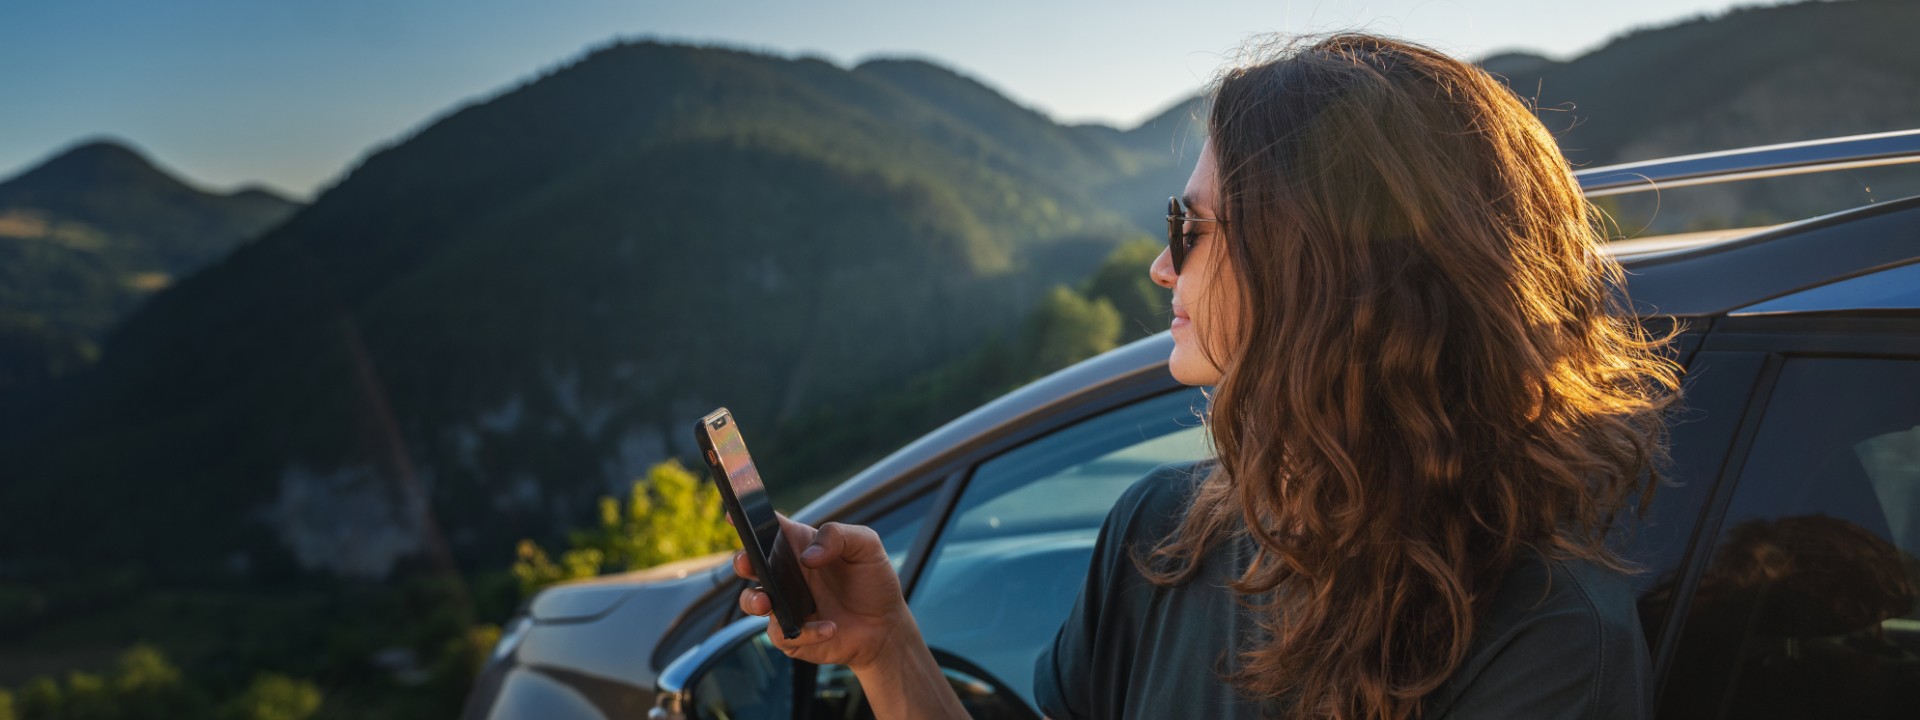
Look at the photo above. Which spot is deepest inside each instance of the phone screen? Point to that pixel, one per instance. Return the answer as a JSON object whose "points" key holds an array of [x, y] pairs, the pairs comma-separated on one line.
{"points": [[745, 479]]}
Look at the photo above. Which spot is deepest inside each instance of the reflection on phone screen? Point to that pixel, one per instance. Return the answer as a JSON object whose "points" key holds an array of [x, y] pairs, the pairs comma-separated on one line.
{"points": [[745, 480]]}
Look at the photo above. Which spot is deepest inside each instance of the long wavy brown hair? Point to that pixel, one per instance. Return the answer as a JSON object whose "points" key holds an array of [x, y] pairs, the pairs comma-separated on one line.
{"points": [[1432, 375]]}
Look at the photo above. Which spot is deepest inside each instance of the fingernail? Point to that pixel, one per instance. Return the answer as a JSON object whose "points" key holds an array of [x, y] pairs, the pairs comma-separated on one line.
{"points": [[811, 553]]}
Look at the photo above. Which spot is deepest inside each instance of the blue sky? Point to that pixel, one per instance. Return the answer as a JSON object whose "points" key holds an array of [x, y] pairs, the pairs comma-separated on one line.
{"points": [[289, 93]]}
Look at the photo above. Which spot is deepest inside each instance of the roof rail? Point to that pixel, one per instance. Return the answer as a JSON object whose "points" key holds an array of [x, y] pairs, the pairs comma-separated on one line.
{"points": [[1812, 156]]}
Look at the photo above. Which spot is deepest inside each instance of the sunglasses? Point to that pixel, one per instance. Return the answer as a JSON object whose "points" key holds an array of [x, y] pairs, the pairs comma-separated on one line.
{"points": [[1178, 241]]}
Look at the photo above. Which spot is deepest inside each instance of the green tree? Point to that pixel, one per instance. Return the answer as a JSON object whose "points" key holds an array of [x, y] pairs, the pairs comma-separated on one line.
{"points": [[6, 706], [671, 514], [1067, 328], [88, 698], [41, 699], [273, 696], [146, 685], [1122, 280]]}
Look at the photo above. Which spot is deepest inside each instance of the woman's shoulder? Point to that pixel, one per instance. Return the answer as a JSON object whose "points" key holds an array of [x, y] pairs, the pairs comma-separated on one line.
{"points": [[1560, 634], [1565, 591], [1153, 505]]}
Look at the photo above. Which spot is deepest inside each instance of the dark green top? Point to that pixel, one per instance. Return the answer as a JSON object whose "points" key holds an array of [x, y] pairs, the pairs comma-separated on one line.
{"points": [[1561, 640]]}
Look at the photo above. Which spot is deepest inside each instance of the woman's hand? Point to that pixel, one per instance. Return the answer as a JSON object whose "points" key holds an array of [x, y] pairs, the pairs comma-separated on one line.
{"points": [[860, 616], [860, 620]]}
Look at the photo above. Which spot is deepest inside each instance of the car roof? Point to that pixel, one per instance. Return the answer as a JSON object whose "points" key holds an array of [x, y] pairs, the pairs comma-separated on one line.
{"points": [[1723, 275]]}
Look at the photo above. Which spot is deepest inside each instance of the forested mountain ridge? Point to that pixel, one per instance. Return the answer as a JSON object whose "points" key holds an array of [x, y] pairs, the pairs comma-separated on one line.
{"points": [[488, 324], [86, 236], [1749, 76]]}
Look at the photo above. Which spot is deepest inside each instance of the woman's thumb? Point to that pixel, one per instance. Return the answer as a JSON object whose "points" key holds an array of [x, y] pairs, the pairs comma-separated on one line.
{"points": [[852, 543]]}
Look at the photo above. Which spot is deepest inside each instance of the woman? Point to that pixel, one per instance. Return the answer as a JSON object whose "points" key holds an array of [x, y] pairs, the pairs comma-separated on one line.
{"points": [[1429, 406]]}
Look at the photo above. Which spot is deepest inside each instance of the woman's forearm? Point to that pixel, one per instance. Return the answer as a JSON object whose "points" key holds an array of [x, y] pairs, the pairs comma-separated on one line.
{"points": [[904, 683]]}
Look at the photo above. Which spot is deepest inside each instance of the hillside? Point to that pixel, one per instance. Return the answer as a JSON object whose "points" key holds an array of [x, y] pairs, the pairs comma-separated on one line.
{"points": [[1772, 74], [487, 325], [89, 234], [1750, 76]]}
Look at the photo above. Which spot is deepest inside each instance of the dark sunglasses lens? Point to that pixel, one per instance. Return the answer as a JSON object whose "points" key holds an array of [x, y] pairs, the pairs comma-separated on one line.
{"points": [[1176, 245]]}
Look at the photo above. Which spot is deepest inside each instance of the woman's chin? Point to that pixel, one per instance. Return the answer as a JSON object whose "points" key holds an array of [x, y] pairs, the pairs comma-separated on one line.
{"points": [[1189, 368]]}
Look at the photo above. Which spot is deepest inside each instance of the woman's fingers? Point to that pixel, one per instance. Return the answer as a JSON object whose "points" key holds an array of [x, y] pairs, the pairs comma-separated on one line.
{"points": [[742, 566], [811, 634], [754, 601]]}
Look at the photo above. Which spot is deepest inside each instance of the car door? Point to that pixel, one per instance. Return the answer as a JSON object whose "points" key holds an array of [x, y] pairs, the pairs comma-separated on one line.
{"points": [[1799, 598], [1013, 550], [1014, 534]]}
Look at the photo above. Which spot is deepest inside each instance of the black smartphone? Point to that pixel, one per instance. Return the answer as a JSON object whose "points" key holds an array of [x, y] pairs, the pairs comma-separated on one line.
{"points": [[745, 497]]}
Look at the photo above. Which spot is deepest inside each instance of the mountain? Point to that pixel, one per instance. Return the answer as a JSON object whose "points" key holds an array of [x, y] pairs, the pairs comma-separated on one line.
{"points": [[1749, 76], [89, 234], [1176, 131], [489, 323], [1518, 64], [1774, 74]]}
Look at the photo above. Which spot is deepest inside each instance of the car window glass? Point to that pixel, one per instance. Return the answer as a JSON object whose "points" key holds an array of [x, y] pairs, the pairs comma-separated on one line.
{"points": [[1014, 552], [1716, 391], [1807, 605], [751, 681], [900, 525]]}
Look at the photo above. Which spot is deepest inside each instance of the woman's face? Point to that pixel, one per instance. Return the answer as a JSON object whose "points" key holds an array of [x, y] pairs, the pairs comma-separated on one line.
{"points": [[1205, 293]]}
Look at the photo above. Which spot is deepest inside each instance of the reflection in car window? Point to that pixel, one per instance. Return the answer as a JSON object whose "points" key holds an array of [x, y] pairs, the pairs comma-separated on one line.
{"points": [[1013, 554], [897, 527], [1718, 387], [1807, 605], [752, 681]]}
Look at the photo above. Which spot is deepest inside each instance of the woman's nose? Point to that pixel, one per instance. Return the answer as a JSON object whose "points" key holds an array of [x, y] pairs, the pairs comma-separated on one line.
{"points": [[1162, 270]]}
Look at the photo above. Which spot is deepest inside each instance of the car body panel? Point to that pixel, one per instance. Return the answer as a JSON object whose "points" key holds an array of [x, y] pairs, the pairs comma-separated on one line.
{"points": [[1731, 274]]}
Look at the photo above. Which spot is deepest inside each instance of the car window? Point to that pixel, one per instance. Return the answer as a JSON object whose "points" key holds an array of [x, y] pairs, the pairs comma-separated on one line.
{"points": [[899, 525], [1014, 552], [1716, 391], [1806, 607]]}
